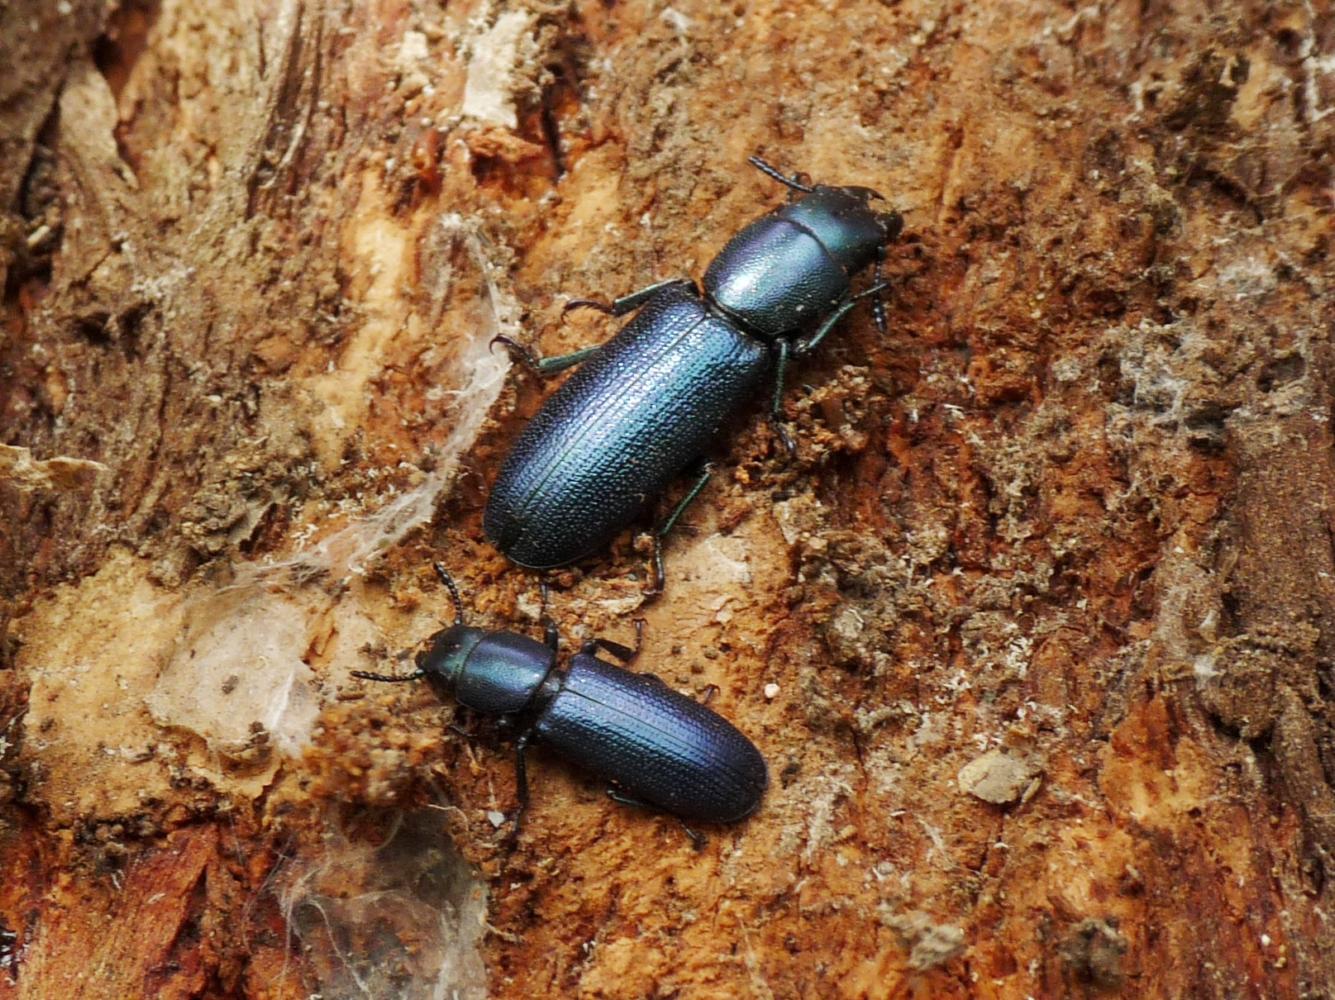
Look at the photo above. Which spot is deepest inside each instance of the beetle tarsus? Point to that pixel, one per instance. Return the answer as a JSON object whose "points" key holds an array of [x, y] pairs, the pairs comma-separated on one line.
{"points": [[698, 839], [597, 305], [551, 636], [459, 731], [656, 567], [544, 367], [518, 352], [627, 800]]}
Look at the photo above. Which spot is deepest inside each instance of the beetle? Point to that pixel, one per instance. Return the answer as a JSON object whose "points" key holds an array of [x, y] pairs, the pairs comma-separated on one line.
{"points": [[657, 747], [645, 404]]}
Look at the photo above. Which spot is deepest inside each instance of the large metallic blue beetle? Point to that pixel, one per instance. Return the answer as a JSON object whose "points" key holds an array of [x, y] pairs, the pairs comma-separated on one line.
{"points": [[647, 403], [657, 747]]}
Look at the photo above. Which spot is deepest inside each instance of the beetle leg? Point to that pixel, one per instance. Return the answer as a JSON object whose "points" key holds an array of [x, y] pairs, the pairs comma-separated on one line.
{"points": [[685, 502], [627, 303], [807, 346], [660, 578], [543, 366], [551, 636], [459, 731], [697, 838], [560, 362], [626, 800], [625, 654], [521, 782], [776, 403]]}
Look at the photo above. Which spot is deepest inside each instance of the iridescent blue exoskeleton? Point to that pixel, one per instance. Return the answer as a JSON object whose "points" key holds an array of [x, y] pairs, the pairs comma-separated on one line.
{"points": [[645, 405], [655, 746]]}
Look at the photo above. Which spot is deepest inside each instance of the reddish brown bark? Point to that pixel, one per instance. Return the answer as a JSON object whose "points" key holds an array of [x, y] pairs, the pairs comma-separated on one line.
{"points": [[1035, 632]]}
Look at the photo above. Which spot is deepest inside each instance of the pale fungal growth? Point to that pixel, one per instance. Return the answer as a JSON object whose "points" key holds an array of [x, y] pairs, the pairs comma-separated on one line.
{"points": [[404, 919], [238, 667], [251, 630]]}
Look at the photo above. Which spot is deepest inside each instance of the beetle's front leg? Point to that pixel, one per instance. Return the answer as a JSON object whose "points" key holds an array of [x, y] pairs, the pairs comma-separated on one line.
{"points": [[560, 362], [805, 347], [776, 400], [627, 303]]}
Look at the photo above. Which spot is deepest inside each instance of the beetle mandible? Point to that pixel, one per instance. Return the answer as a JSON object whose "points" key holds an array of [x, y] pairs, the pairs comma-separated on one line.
{"points": [[657, 747], [645, 404]]}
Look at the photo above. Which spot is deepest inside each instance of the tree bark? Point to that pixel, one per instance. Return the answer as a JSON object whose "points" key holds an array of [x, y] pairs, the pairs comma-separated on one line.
{"points": [[1036, 631]]}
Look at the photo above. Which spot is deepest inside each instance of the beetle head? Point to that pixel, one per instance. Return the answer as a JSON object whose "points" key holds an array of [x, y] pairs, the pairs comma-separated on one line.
{"points": [[846, 224], [442, 662]]}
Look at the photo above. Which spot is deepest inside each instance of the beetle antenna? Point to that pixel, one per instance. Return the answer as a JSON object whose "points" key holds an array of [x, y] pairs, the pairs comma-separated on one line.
{"points": [[775, 173], [366, 675], [450, 585]]}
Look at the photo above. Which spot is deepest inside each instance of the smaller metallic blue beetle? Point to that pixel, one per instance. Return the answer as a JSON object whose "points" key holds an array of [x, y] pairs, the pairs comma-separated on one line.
{"points": [[657, 747], [646, 404]]}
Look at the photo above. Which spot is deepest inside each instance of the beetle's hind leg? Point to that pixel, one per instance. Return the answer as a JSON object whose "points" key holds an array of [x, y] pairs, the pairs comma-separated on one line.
{"points": [[661, 532], [697, 838], [551, 635]]}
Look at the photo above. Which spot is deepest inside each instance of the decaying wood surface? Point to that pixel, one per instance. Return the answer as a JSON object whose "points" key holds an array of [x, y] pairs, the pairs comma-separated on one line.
{"points": [[1037, 632]]}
